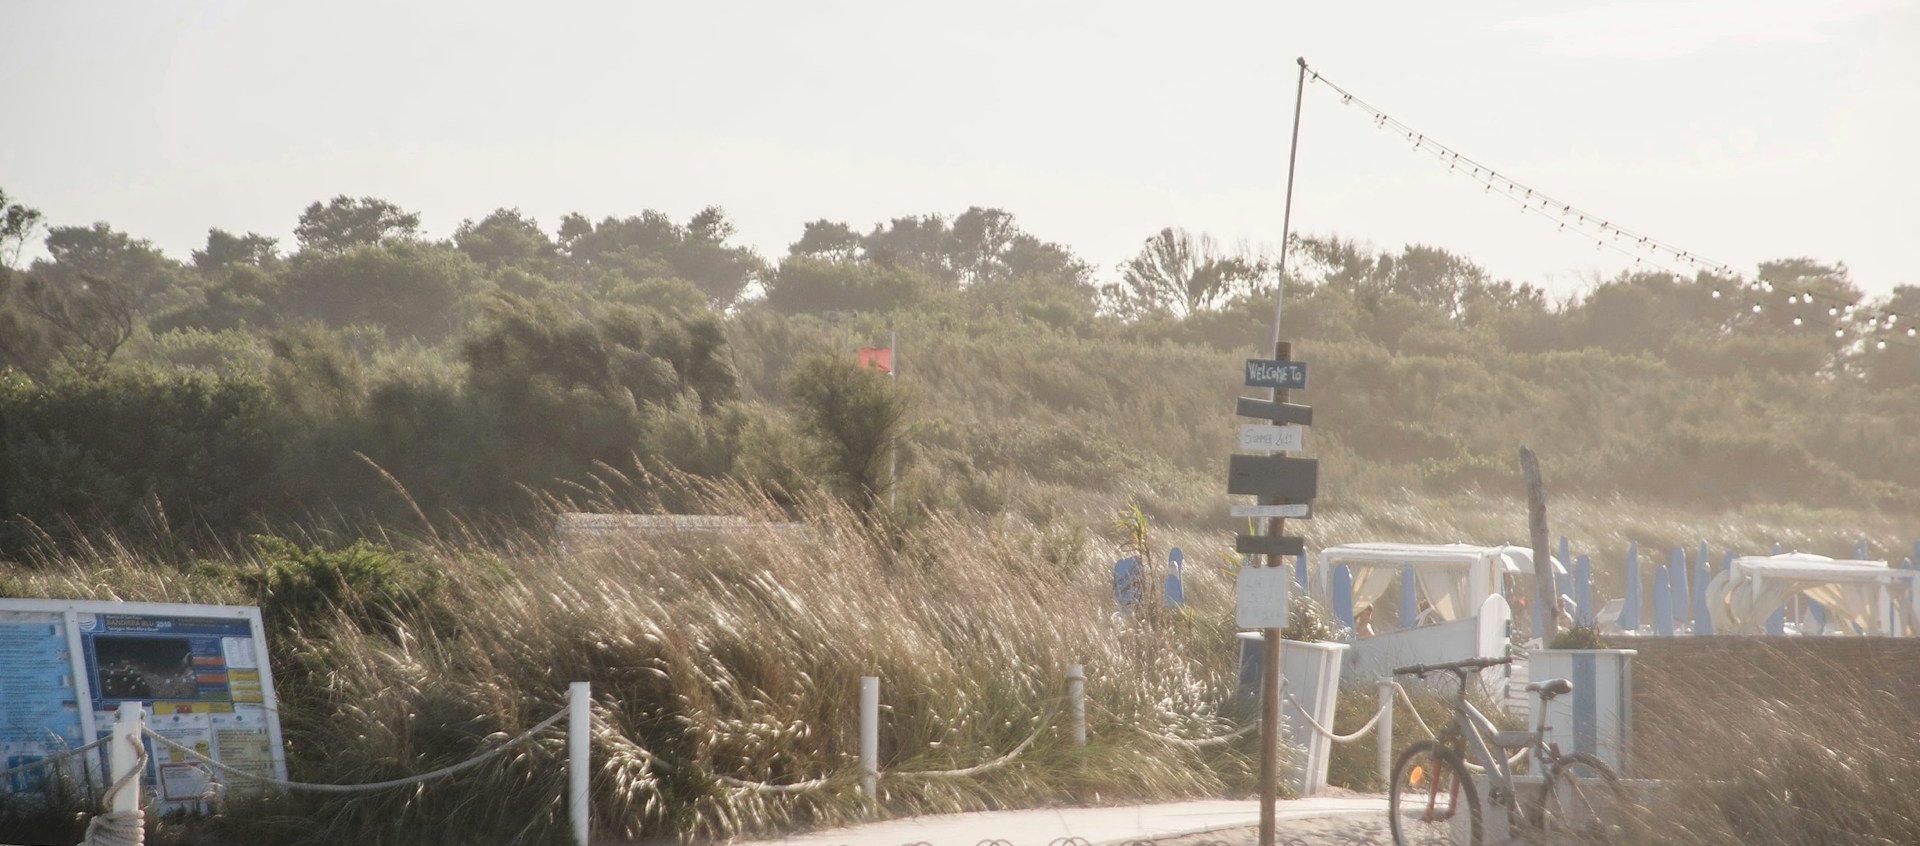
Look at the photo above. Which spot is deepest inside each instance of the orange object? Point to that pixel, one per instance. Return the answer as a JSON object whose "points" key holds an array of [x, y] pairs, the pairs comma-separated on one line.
{"points": [[879, 358]]}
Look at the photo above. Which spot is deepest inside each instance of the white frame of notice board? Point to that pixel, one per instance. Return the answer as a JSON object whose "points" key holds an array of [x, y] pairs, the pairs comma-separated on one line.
{"points": [[70, 611]]}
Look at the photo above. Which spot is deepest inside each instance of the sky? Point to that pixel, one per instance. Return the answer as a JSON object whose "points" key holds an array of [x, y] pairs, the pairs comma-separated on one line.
{"points": [[1740, 130]]}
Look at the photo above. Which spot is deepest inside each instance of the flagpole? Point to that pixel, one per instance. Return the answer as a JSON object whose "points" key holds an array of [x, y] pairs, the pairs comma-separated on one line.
{"points": [[1270, 672], [893, 448]]}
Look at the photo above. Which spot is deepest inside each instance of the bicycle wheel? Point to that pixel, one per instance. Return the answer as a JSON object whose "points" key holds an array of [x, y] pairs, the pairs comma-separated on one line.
{"points": [[1581, 802], [1431, 801]]}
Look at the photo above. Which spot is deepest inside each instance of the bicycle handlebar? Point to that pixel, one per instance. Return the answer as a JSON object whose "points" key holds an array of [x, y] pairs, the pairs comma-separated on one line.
{"points": [[1459, 667]]}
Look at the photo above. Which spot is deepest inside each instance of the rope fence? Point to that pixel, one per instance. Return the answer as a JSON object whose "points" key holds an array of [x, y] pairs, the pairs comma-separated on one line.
{"points": [[122, 820]]}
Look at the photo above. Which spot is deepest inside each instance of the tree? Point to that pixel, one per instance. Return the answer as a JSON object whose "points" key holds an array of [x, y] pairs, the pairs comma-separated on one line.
{"points": [[918, 243], [504, 238], [827, 239], [412, 289], [805, 285], [345, 222], [857, 415], [18, 224], [225, 249], [1179, 274]]}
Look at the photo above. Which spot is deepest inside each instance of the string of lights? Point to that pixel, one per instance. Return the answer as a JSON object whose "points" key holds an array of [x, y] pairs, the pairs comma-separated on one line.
{"points": [[1643, 248]]}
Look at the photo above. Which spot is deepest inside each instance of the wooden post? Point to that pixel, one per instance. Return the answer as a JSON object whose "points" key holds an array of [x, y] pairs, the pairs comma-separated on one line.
{"points": [[1270, 675], [1545, 592]]}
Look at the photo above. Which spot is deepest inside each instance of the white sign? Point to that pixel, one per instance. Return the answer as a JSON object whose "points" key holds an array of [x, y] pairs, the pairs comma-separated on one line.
{"points": [[1271, 438], [1262, 597], [1299, 510]]}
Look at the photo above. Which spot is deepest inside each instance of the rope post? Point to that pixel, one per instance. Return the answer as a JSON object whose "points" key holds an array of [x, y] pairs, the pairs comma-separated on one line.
{"points": [[579, 758], [1385, 738], [1077, 702], [870, 736], [124, 757]]}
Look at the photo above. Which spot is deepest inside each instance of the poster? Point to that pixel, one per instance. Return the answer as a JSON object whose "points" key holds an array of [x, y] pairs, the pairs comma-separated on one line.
{"points": [[240, 741], [199, 672], [39, 707]]}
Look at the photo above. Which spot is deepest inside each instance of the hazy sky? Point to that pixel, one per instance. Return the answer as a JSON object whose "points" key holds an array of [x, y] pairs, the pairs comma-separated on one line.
{"points": [[1740, 129]]}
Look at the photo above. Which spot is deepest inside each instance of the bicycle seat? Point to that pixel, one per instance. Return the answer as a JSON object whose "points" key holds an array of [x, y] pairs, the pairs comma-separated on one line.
{"points": [[1550, 688]]}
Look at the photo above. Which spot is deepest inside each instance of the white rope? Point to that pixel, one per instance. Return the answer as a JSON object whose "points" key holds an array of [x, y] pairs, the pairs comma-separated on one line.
{"points": [[1405, 697], [1329, 733], [55, 758], [995, 763], [1408, 698], [1204, 742], [463, 766], [120, 828]]}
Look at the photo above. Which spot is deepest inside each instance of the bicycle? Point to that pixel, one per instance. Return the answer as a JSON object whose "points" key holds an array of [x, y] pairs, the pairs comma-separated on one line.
{"points": [[1433, 780]]}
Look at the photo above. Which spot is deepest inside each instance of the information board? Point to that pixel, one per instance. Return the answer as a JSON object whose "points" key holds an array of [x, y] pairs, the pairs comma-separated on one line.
{"points": [[199, 670]]}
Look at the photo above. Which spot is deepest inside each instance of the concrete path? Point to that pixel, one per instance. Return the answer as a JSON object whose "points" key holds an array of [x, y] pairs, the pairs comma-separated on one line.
{"points": [[1094, 825]]}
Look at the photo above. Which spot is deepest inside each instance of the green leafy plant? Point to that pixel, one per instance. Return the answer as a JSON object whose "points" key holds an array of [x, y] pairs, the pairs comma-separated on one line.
{"points": [[1578, 637]]}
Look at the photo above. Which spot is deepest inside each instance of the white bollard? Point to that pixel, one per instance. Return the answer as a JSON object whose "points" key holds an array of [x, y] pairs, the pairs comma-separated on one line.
{"points": [[579, 758], [124, 756], [1077, 702], [1384, 738], [870, 736]]}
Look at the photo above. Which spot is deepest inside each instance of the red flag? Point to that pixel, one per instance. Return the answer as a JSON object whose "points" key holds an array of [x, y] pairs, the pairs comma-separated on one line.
{"points": [[879, 358]]}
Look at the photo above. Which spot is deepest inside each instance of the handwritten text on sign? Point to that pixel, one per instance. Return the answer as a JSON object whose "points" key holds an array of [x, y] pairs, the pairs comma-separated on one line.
{"points": [[1285, 375], [1271, 438], [1296, 510]]}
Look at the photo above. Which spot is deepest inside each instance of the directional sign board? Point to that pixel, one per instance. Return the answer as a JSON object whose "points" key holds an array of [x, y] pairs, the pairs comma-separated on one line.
{"points": [[1269, 545], [1295, 510], [1275, 476], [1261, 598], [1278, 412], [1285, 375], [1272, 438]]}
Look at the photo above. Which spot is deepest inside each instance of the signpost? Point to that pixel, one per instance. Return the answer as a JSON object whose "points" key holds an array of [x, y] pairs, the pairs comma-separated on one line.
{"points": [[1296, 510], [1285, 486], [1272, 546], [1278, 412], [1261, 436], [1278, 476], [1280, 375]]}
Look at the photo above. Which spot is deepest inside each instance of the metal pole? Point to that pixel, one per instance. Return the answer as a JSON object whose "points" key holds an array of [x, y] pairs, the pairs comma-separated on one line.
{"points": [[893, 446], [579, 758], [123, 757], [1286, 215], [1385, 738], [1077, 702], [1270, 675], [870, 736]]}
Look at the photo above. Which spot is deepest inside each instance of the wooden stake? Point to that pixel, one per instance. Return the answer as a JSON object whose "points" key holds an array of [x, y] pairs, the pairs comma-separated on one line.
{"points": [[1270, 675], [1546, 594]]}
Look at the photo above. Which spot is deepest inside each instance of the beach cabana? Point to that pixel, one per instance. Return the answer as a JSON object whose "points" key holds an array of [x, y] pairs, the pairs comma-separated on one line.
{"points": [[1859, 597]]}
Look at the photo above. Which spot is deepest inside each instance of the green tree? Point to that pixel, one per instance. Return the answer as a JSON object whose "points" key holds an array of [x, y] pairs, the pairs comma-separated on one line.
{"points": [[1179, 273], [857, 415], [412, 289], [505, 238], [225, 249], [344, 222]]}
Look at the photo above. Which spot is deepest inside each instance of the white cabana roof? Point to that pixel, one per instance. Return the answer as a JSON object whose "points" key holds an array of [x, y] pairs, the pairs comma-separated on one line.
{"points": [[1867, 597], [1453, 578], [1801, 566], [1509, 558]]}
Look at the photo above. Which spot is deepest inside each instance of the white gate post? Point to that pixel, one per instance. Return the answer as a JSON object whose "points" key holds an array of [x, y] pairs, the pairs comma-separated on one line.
{"points": [[579, 758], [870, 736], [1385, 736], [1077, 702], [124, 757]]}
